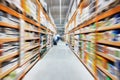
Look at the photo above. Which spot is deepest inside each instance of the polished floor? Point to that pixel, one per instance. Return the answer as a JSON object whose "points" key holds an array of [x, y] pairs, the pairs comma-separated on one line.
{"points": [[59, 63]]}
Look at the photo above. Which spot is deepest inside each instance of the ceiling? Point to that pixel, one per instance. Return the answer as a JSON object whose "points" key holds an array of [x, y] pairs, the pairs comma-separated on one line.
{"points": [[59, 13]]}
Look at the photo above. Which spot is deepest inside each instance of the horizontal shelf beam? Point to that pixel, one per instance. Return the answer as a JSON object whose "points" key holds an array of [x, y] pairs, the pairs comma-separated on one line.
{"points": [[44, 45], [115, 26], [113, 43], [107, 73], [99, 17], [28, 59], [5, 57], [32, 38], [32, 47], [106, 56], [92, 73], [32, 30], [26, 70], [5, 24], [4, 40], [8, 71], [16, 14]]}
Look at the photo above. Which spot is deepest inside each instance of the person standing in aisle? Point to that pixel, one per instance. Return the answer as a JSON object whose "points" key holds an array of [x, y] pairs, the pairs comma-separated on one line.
{"points": [[55, 39], [58, 37]]}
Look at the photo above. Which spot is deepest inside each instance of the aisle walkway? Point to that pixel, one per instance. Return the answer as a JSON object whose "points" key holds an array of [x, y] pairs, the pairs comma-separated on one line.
{"points": [[59, 64]]}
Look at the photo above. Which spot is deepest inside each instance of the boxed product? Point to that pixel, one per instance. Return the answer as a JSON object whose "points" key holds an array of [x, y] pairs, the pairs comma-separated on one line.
{"points": [[92, 7], [14, 4], [9, 45], [10, 51], [93, 26], [111, 68], [17, 3], [27, 25], [31, 9], [26, 44], [9, 48], [113, 35], [102, 76], [100, 24], [99, 36], [103, 4], [35, 50], [6, 2], [5, 17], [113, 51], [85, 59], [13, 19], [117, 18], [117, 64], [34, 58], [116, 35], [110, 22], [101, 62], [9, 64], [27, 55], [90, 64], [107, 35], [43, 4], [10, 31], [100, 48]]}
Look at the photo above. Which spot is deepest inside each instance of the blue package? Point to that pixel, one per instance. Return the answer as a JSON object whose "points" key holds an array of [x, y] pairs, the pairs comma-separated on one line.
{"points": [[116, 33], [118, 68], [112, 69], [117, 17]]}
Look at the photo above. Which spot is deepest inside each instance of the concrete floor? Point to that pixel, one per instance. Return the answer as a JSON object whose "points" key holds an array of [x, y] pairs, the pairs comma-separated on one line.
{"points": [[59, 64]]}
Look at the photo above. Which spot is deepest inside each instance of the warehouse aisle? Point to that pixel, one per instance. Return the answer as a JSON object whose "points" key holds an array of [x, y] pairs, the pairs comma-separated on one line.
{"points": [[59, 64]]}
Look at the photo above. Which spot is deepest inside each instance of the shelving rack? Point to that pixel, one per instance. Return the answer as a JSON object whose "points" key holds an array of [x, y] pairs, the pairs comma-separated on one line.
{"points": [[27, 53], [89, 31]]}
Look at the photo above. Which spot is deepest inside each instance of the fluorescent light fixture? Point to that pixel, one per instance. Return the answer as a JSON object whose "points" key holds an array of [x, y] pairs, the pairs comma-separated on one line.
{"points": [[60, 10]]}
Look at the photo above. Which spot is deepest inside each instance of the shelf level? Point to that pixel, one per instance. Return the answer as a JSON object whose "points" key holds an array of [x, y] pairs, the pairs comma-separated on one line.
{"points": [[8, 71], [108, 13], [32, 30], [106, 56], [113, 43], [31, 21], [43, 27], [4, 40], [104, 15], [43, 32], [88, 68], [77, 39], [26, 70], [87, 40], [5, 24], [94, 75], [44, 46], [99, 17], [44, 39], [116, 26], [34, 38], [89, 31], [5, 57], [29, 48], [28, 59], [16, 14], [107, 73], [46, 15]]}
